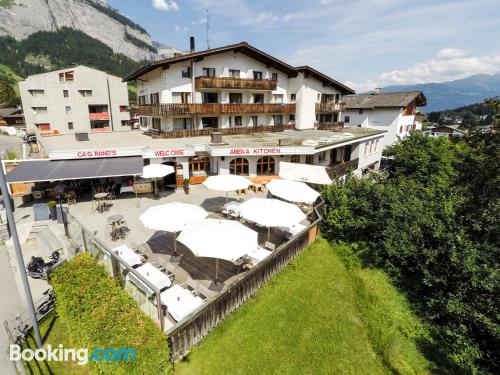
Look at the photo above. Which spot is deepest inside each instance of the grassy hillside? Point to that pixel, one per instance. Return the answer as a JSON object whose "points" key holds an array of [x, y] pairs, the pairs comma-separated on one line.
{"points": [[316, 317]]}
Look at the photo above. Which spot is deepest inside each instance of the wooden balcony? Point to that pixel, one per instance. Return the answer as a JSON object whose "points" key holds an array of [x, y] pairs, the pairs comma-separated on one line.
{"points": [[338, 170], [330, 107], [224, 131], [330, 126], [234, 83], [213, 109]]}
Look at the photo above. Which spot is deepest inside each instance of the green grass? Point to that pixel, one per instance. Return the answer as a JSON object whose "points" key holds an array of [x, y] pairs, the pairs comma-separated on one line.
{"points": [[8, 75], [316, 317], [53, 332]]}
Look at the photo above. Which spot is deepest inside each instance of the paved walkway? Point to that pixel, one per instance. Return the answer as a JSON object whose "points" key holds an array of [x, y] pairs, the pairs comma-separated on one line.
{"points": [[10, 305]]}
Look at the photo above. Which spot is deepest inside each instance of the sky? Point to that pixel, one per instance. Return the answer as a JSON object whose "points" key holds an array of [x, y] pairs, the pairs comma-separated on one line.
{"points": [[363, 43]]}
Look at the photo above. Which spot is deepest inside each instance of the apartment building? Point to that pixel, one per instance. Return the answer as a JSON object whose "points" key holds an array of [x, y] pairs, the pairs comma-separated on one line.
{"points": [[74, 100], [393, 112]]}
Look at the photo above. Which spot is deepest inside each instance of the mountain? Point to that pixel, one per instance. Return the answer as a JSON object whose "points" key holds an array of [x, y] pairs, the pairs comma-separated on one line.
{"points": [[453, 94], [20, 19]]}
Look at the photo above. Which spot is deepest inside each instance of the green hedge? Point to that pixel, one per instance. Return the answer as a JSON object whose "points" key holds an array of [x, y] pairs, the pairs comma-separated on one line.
{"points": [[98, 313]]}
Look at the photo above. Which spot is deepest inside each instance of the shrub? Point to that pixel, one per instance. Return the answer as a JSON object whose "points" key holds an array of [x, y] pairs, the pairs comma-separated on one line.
{"points": [[51, 203], [97, 313]]}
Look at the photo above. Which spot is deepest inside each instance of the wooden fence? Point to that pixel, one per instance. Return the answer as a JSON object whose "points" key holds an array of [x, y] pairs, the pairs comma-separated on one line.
{"points": [[193, 329], [214, 109]]}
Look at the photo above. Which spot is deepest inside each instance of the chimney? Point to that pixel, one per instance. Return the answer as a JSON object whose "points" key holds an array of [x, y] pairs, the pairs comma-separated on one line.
{"points": [[377, 90], [215, 137], [191, 44]]}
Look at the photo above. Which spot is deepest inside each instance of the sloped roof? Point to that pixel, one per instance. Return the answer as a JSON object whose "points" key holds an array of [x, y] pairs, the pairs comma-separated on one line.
{"points": [[10, 112], [242, 47], [250, 51], [308, 71], [384, 100]]}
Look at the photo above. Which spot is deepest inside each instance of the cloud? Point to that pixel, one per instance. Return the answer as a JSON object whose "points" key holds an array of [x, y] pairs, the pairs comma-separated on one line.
{"points": [[201, 21], [260, 18], [165, 5], [448, 64], [179, 29]]}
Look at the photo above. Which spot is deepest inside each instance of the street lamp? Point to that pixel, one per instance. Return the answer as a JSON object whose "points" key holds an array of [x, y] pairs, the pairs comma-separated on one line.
{"points": [[19, 255]]}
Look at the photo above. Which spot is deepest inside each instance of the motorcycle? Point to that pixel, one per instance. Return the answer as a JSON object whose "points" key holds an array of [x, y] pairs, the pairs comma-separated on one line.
{"points": [[37, 268]]}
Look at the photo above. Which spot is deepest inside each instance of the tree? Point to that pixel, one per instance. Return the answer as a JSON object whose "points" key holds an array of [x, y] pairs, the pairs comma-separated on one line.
{"points": [[8, 96]]}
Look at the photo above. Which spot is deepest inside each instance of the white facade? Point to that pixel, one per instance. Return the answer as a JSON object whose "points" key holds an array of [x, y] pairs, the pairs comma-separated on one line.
{"points": [[393, 120], [78, 99], [172, 88]]}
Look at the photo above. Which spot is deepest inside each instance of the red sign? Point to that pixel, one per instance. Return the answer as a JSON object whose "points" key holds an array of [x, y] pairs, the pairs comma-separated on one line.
{"points": [[255, 151], [96, 153], [169, 153]]}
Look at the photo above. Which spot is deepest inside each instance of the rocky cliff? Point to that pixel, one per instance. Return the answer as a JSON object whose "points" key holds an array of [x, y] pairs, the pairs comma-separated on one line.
{"points": [[22, 18]]}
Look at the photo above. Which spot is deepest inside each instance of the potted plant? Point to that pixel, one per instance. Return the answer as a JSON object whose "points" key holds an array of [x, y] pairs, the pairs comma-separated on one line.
{"points": [[185, 186], [52, 209]]}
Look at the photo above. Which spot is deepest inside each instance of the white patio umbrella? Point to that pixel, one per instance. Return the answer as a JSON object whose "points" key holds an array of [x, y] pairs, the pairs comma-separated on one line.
{"points": [[313, 174], [155, 171], [271, 213], [172, 217], [220, 239], [227, 183], [293, 191]]}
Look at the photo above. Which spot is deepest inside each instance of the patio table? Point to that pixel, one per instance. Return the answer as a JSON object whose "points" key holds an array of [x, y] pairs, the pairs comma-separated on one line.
{"points": [[128, 255], [180, 302], [153, 275]]}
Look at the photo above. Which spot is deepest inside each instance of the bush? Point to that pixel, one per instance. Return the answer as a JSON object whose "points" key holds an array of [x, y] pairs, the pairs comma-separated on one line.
{"points": [[51, 203], [97, 313]]}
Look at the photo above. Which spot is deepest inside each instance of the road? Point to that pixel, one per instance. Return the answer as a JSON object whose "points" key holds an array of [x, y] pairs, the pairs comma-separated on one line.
{"points": [[9, 142]]}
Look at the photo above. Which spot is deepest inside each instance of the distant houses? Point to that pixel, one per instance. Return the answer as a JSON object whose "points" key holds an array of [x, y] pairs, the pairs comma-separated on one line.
{"points": [[447, 131]]}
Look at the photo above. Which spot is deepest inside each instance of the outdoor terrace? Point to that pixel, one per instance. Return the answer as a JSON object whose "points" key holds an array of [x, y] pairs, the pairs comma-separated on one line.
{"points": [[213, 109]]}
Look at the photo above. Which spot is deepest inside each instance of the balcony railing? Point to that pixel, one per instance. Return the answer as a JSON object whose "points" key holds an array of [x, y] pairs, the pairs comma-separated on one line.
{"points": [[100, 130], [213, 109], [225, 131], [330, 107], [98, 116], [330, 125], [341, 169], [234, 83]]}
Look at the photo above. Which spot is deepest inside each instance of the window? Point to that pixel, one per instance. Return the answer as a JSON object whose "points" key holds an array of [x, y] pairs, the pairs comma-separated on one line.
{"points": [[295, 159], [278, 119], [37, 92], [255, 121], [258, 98], [291, 118], [125, 123], [278, 98], [144, 121], [337, 98], [156, 124], [61, 78], [186, 72], [309, 159], [182, 123], [235, 98], [238, 121], [361, 111], [210, 122], [39, 110], [293, 97], [142, 99], [66, 93], [257, 75], [70, 126], [401, 129], [346, 119], [265, 165], [209, 97], [239, 166], [69, 76], [199, 165], [154, 98], [123, 108], [208, 72], [234, 73], [376, 145], [322, 156], [274, 76], [68, 110], [86, 93], [181, 97], [44, 129], [366, 148], [319, 97]]}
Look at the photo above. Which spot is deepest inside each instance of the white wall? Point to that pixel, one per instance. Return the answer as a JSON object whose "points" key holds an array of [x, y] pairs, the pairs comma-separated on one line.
{"points": [[84, 79]]}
